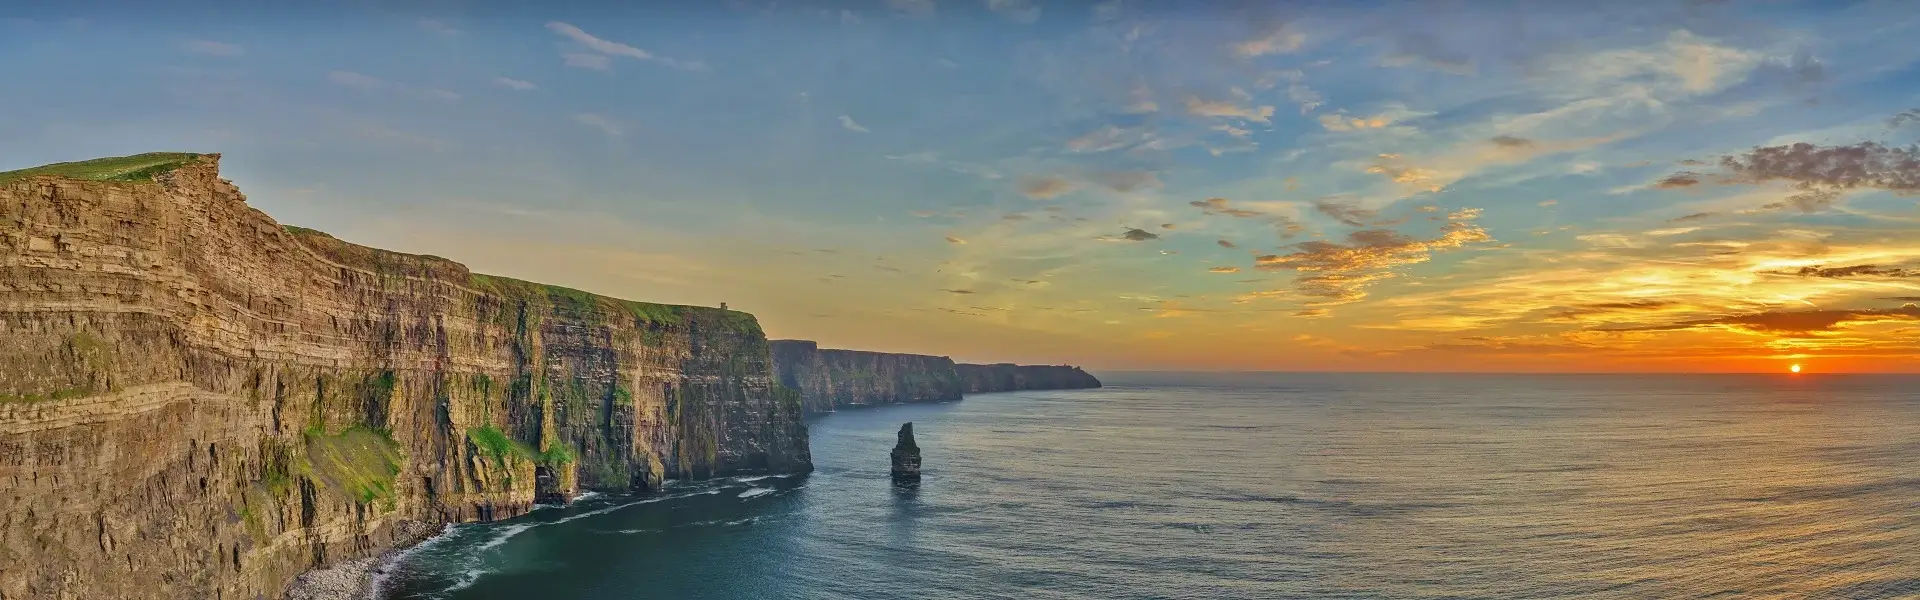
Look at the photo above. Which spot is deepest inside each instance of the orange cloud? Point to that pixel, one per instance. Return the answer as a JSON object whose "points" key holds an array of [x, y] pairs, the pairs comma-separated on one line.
{"points": [[1044, 187]]}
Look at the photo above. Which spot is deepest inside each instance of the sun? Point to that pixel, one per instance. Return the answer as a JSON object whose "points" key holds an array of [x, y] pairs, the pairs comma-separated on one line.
{"points": [[1795, 368]]}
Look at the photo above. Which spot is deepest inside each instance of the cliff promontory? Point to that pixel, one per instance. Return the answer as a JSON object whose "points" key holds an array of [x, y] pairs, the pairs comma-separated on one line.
{"points": [[196, 402], [1003, 377], [829, 379]]}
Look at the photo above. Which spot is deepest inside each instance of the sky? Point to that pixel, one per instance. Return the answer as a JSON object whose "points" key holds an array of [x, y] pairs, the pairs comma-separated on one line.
{"points": [[1347, 186]]}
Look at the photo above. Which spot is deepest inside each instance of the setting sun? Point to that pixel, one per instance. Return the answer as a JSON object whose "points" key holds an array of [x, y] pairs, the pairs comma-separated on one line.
{"points": [[1795, 368]]}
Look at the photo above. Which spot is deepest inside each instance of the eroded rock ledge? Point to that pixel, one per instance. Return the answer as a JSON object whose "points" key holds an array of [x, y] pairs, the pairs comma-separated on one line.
{"points": [[829, 379], [196, 402]]}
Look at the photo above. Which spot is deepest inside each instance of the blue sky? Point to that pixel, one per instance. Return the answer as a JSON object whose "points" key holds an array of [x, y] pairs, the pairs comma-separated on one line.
{"points": [[1121, 184]]}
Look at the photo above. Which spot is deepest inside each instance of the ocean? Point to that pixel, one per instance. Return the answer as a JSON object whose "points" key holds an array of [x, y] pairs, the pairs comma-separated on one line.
{"points": [[1167, 485]]}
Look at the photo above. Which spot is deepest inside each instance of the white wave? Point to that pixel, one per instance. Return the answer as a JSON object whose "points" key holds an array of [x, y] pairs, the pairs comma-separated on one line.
{"points": [[753, 478], [756, 492], [467, 579], [505, 533], [631, 531]]}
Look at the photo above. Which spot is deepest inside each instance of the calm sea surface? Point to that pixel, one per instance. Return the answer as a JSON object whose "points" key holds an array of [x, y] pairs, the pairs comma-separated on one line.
{"points": [[1276, 486]]}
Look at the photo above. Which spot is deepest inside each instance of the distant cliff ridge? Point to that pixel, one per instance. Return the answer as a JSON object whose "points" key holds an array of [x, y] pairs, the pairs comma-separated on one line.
{"points": [[196, 402], [1006, 377], [829, 379]]}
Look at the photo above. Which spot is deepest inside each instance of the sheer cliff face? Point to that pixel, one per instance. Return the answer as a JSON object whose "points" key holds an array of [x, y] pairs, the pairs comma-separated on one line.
{"points": [[198, 403], [830, 379], [1009, 377]]}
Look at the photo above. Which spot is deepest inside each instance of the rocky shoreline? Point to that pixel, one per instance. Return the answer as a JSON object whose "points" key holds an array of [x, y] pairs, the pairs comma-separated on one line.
{"points": [[360, 578], [350, 580]]}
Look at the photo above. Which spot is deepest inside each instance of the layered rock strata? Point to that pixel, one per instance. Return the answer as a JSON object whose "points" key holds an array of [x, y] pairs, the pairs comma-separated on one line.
{"points": [[196, 402]]}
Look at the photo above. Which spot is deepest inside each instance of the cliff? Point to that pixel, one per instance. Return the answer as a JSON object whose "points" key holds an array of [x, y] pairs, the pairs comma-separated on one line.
{"points": [[196, 402], [1005, 377], [830, 379]]}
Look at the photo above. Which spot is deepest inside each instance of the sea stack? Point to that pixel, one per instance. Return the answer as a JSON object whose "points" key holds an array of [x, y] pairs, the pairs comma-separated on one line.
{"points": [[906, 457]]}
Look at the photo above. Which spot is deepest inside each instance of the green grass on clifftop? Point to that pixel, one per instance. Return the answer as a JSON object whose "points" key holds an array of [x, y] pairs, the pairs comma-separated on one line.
{"points": [[569, 298], [136, 168]]}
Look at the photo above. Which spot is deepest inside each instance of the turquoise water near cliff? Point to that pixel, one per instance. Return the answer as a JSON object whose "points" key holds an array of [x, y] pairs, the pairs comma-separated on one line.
{"points": [[1275, 486]]}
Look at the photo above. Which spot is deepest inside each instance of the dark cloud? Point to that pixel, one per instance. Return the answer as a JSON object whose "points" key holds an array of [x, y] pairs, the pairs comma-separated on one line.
{"points": [[1809, 201], [1903, 298], [1127, 181], [1043, 188], [1862, 165], [1220, 206], [1508, 141], [1796, 323], [1138, 235], [1025, 281], [1226, 244], [1287, 227], [1344, 213], [1855, 271], [957, 291], [1905, 117], [1691, 217], [1820, 175], [1801, 69], [1166, 226], [1678, 180]]}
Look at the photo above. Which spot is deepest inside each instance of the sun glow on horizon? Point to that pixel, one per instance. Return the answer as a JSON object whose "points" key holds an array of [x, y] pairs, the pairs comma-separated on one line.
{"points": [[1795, 368]]}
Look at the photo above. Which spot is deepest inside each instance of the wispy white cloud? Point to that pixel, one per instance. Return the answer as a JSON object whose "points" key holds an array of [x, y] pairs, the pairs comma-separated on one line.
{"points": [[509, 82], [613, 48], [850, 125]]}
